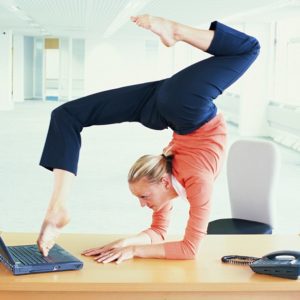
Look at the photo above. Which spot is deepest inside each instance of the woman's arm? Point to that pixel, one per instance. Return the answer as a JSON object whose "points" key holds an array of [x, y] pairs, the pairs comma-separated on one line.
{"points": [[125, 253], [199, 192], [145, 244], [139, 239], [135, 246], [198, 158], [160, 223]]}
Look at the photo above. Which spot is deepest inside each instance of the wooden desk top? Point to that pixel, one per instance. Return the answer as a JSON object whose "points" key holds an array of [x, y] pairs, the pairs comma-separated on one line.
{"points": [[207, 273]]}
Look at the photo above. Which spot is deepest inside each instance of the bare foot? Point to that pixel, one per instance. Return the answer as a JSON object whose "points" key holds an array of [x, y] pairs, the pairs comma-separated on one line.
{"points": [[164, 28], [51, 227]]}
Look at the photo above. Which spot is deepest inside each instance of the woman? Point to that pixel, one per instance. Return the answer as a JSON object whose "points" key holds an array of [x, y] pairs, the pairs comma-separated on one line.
{"points": [[184, 103]]}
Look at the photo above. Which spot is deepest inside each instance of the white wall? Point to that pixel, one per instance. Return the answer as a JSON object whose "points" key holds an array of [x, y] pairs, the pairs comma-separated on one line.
{"points": [[71, 64], [6, 102], [38, 69], [286, 82], [28, 67], [106, 63], [64, 65], [265, 101], [18, 68], [51, 73], [114, 63], [255, 85], [77, 67]]}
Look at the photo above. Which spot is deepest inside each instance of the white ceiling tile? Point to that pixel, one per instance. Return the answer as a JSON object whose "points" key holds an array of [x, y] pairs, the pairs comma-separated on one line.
{"points": [[94, 17]]}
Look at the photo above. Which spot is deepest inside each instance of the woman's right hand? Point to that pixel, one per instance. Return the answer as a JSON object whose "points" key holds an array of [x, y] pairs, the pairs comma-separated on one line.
{"points": [[51, 227], [103, 249]]}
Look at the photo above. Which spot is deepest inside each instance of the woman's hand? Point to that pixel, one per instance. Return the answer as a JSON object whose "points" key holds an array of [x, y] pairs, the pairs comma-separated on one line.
{"points": [[118, 255], [111, 252], [135, 246]]}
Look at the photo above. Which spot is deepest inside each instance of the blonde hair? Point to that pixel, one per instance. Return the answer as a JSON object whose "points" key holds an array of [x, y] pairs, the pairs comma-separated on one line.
{"points": [[153, 167]]}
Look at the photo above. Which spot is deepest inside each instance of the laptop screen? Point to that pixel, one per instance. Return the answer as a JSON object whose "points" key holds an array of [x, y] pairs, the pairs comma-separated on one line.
{"points": [[4, 253]]}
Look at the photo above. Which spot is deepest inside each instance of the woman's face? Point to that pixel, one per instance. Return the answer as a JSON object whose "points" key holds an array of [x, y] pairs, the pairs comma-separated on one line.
{"points": [[152, 195]]}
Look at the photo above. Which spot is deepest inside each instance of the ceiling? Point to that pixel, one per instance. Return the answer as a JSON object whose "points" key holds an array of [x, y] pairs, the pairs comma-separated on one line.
{"points": [[107, 18]]}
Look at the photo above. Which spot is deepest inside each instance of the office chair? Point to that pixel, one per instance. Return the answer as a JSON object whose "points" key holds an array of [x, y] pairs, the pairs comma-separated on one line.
{"points": [[252, 171]]}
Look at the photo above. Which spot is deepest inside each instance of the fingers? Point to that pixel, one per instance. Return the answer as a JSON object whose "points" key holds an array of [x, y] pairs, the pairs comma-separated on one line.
{"points": [[108, 257], [88, 251], [97, 250], [104, 254], [120, 260], [94, 251], [118, 255], [104, 248], [111, 252]]}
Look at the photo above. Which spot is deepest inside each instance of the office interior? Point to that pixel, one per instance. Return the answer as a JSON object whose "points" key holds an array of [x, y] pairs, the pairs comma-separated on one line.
{"points": [[57, 51]]}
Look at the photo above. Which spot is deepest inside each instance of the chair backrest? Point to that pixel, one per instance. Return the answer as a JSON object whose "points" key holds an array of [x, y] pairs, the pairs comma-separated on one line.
{"points": [[252, 172]]}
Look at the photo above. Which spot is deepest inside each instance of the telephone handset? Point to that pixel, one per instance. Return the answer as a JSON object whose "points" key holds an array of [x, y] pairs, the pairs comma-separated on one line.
{"points": [[284, 263], [291, 253]]}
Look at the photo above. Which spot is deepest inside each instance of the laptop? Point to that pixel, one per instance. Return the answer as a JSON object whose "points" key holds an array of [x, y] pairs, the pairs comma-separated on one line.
{"points": [[27, 259]]}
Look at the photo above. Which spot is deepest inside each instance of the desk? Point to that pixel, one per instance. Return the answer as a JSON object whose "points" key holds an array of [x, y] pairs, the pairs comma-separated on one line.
{"points": [[205, 278]]}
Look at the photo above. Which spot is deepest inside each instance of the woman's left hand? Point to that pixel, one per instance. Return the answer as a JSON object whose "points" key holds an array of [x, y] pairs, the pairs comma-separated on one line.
{"points": [[117, 254]]}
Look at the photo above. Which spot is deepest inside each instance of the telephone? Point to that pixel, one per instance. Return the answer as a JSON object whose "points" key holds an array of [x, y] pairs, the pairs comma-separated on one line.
{"points": [[279, 263], [284, 263]]}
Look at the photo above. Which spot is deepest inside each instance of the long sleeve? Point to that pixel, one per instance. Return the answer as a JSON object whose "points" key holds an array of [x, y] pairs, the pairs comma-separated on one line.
{"points": [[160, 223], [198, 158], [199, 190]]}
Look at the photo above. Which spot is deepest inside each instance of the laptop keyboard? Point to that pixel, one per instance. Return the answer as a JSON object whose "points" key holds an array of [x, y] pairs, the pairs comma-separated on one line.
{"points": [[28, 255]]}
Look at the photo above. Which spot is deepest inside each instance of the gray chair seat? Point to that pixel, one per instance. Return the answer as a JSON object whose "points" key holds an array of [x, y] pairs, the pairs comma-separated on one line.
{"points": [[238, 226]]}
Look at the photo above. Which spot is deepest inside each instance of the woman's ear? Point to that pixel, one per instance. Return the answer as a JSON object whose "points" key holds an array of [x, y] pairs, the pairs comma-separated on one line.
{"points": [[166, 181]]}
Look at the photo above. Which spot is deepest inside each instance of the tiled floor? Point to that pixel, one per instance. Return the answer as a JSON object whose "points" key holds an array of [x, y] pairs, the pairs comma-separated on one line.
{"points": [[101, 201]]}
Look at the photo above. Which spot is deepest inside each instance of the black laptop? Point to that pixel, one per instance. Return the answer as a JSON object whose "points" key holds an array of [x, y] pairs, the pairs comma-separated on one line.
{"points": [[27, 259]]}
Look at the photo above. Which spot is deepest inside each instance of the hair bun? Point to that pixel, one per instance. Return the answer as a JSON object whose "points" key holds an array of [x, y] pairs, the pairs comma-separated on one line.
{"points": [[169, 159]]}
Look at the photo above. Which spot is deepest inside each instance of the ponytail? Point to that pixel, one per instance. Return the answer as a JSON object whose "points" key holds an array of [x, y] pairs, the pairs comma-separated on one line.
{"points": [[153, 167]]}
